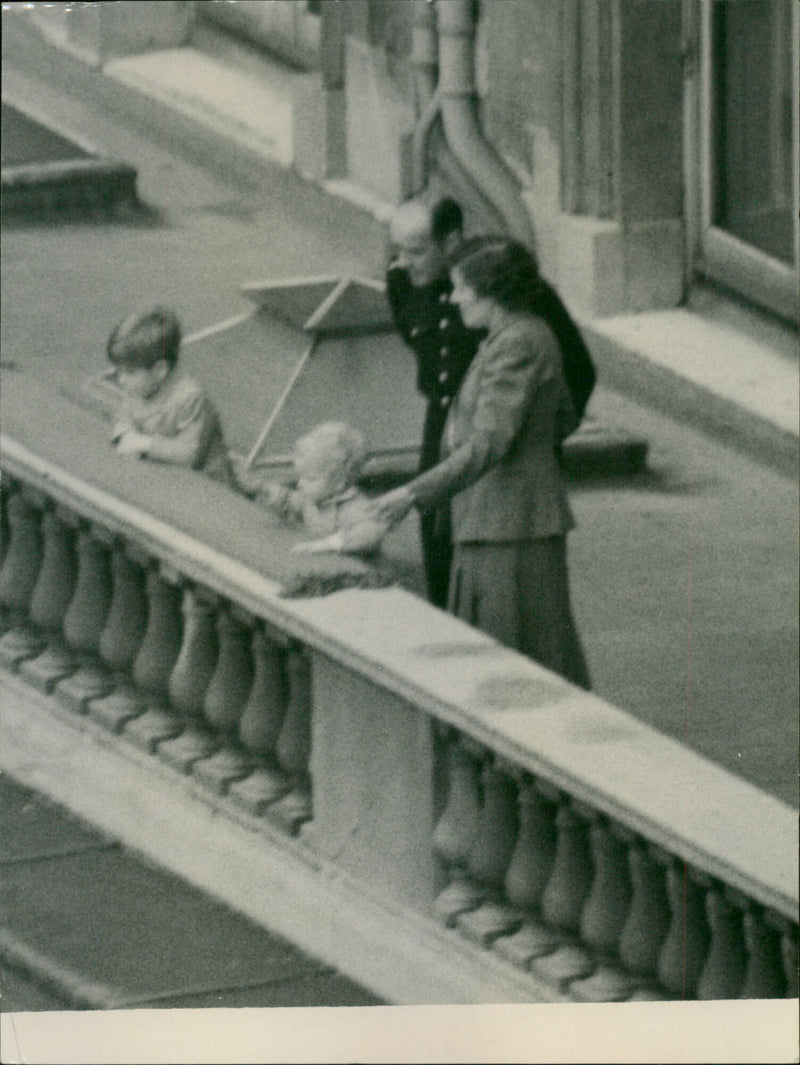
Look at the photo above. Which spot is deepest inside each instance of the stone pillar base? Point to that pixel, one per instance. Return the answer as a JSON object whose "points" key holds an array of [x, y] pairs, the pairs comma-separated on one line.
{"points": [[605, 269]]}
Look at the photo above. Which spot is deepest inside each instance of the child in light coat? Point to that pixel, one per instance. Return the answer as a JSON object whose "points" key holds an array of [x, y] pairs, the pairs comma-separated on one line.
{"points": [[326, 500]]}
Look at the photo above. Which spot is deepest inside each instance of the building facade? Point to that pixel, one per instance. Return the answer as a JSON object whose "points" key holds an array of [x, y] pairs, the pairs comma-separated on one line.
{"points": [[648, 145]]}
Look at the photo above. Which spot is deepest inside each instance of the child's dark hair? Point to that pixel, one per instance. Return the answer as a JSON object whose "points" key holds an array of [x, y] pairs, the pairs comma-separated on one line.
{"points": [[142, 340]]}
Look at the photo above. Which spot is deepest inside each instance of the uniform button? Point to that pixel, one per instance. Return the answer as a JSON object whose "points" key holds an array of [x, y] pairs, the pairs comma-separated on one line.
{"points": [[444, 351], [443, 377], [414, 331], [444, 401], [443, 297], [443, 324]]}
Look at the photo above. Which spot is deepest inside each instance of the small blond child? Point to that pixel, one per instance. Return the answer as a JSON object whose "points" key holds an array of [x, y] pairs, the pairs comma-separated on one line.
{"points": [[165, 415], [327, 462]]}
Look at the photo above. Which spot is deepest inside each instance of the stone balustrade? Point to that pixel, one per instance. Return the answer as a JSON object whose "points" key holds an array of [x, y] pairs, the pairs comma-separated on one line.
{"points": [[446, 774]]}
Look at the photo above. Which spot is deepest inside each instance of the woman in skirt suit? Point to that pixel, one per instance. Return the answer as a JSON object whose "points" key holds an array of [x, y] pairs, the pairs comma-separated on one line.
{"points": [[499, 467]]}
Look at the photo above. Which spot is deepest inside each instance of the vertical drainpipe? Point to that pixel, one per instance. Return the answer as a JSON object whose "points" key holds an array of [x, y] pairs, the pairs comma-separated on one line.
{"points": [[458, 106], [424, 62], [428, 134], [424, 51]]}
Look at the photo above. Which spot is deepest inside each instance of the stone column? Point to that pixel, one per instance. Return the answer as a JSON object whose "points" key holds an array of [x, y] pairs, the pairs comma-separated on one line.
{"points": [[620, 238]]}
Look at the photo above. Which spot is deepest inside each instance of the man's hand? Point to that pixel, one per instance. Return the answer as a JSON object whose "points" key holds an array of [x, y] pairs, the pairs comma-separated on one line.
{"points": [[132, 443], [393, 506]]}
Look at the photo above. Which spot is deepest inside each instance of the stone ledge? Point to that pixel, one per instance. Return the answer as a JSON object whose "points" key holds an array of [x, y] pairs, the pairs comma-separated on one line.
{"points": [[713, 378], [50, 173], [585, 746]]}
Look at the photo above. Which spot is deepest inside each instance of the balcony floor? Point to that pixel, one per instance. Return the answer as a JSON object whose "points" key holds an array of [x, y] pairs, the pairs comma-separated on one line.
{"points": [[88, 924]]}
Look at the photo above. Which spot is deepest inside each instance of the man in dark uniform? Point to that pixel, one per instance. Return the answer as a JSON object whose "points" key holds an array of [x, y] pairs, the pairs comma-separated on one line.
{"points": [[418, 288]]}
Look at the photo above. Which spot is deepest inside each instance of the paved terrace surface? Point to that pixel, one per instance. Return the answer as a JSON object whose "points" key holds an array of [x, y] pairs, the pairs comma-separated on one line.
{"points": [[23, 141], [684, 578], [87, 925]]}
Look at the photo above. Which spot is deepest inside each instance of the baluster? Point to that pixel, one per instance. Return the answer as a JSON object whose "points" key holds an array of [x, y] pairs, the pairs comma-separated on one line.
{"points": [[125, 625], [55, 585], [570, 881], [647, 923], [457, 829], [294, 744], [196, 661], [764, 976], [723, 972], [4, 531], [684, 950], [156, 658], [294, 741], [605, 914], [261, 723], [51, 597], [122, 637], [527, 876], [225, 700], [458, 825], [227, 694], [491, 853], [609, 900], [5, 493], [158, 651], [190, 679], [85, 617], [18, 576], [790, 960], [535, 851], [566, 893], [263, 715], [498, 824], [88, 608], [23, 557]]}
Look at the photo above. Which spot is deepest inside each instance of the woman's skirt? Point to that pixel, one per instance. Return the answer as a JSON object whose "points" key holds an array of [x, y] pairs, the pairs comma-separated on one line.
{"points": [[518, 592]]}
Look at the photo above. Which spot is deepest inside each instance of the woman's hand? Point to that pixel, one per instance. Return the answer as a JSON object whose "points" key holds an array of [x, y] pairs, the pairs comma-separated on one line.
{"points": [[333, 542], [133, 443], [393, 506]]}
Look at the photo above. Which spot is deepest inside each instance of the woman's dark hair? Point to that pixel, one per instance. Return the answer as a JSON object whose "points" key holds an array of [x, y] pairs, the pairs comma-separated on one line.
{"points": [[502, 270], [506, 272], [142, 340]]}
